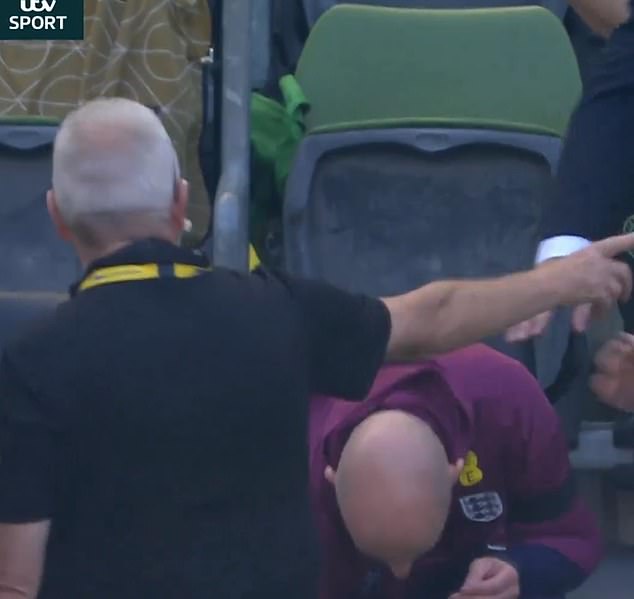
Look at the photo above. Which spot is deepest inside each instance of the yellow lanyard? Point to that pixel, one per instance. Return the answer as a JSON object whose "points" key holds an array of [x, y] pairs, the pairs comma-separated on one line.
{"points": [[144, 272], [139, 272]]}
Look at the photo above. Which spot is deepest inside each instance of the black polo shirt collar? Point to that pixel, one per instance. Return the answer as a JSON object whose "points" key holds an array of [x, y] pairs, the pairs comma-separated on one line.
{"points": [[156, 251]]}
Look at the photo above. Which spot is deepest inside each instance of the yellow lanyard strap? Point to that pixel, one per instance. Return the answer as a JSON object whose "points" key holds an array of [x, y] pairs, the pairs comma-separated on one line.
{"points": [[139, 272], [144, 272]]}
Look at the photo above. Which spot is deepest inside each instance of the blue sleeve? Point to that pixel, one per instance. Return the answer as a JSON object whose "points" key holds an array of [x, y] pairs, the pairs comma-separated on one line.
{"points": [[552, 535], [595, 192], [544, 571]]}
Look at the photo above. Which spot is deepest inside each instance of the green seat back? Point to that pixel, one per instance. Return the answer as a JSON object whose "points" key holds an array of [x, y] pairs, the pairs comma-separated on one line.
{"points": [[507, 68]]}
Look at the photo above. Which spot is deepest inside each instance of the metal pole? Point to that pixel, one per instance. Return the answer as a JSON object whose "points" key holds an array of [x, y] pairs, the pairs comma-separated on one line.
{"points": [[231, 209]]}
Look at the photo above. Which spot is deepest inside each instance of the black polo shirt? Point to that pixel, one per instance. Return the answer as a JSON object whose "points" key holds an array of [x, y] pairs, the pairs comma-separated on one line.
{"points": [[161, 426]]}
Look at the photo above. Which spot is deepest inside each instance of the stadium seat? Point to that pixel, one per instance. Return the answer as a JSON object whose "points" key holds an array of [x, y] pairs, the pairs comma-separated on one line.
{"points": [[313, 9], [36, 266], [433, 136], [501, 69]]}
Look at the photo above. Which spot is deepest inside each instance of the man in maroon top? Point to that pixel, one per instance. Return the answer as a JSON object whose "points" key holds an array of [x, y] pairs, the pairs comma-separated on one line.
{"points": [[451, 480]]}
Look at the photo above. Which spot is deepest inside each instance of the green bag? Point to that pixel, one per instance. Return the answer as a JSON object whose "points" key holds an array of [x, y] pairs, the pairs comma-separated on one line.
{"points": [[276, 131]]}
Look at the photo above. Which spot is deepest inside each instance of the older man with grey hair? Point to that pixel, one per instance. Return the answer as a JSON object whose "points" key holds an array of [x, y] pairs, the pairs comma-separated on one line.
{"points": [[153, 429], [102, 197]]}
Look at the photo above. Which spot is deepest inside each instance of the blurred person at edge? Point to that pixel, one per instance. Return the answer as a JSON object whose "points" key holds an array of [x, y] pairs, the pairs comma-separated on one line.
{"points": [[594, 195]]}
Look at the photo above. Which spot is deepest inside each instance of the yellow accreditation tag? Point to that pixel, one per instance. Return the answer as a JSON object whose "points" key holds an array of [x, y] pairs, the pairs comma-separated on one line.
{"points": [[254, 260], [471, 474]]}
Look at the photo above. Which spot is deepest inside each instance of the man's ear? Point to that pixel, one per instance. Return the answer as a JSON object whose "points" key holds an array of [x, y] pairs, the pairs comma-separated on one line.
{"points": [[456, 469], [59, 223], [330, 474]]}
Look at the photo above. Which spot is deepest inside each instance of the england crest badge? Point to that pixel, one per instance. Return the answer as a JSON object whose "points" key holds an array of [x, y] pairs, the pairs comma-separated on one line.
{"points": [[482, 507]]}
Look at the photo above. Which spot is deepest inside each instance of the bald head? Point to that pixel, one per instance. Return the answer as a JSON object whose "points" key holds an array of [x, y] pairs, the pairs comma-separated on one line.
{"points": [[394, 486], [114, 165]]}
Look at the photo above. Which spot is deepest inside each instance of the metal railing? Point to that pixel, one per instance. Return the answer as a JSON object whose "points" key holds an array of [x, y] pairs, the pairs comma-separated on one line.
{"points": [[231, 207]]}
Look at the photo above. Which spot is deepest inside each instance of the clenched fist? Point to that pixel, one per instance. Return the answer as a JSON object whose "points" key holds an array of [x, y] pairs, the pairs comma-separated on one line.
{"points": [[490, 578], [613, 381]]}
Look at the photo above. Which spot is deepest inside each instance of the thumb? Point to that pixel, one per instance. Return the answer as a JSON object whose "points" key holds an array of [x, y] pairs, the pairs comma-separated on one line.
{"points": [[479, 570], [581, 316], [605, 387], [539, 324], [518, 332], [613, 246], [529, 328]]}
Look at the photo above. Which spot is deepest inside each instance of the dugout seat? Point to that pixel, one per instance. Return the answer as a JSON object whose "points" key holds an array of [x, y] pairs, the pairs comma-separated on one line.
{"points": [[35, 266], [313, 9], [432, 139]]}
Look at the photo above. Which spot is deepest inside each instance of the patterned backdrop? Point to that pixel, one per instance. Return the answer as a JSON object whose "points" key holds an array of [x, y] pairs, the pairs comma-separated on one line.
{"points": [[146, 50]]}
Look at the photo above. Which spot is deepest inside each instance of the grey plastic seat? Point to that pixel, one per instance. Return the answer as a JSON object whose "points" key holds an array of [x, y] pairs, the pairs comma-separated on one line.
{"points": [[36, 267], [434, 159], [382, 211]]}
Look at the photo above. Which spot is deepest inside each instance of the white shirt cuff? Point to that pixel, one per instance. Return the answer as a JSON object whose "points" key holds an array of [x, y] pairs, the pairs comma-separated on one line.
{"points": [[560, 246]]}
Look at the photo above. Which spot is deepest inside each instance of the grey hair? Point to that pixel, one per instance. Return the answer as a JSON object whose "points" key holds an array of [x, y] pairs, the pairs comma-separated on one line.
{"points": [[113, 158]]}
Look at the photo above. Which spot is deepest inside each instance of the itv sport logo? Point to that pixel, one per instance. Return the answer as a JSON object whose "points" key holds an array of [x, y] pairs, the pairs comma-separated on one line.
{"points": [[41, 19]]}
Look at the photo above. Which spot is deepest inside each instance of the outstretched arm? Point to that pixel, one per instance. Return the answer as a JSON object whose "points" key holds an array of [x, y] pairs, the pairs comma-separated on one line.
{"points": [[347, 338], [444, 316]]}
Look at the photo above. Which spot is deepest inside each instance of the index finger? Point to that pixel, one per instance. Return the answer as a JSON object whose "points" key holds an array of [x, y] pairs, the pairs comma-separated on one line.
{"points": [[613, 246]]}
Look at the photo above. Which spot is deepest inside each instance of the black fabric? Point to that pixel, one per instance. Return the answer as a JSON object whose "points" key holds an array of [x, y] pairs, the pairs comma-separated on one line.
{"points": [[177, 409], [587, 45], [576, 365], [544, 572], [33, 454], [593, 198], [546, 506], [288, 36], [622, 477], [624, 434], [556, 576], [446, 580], [342, 370]]}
